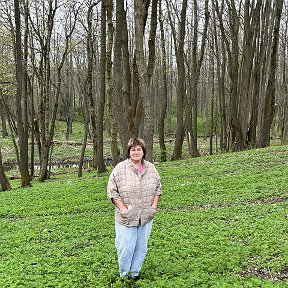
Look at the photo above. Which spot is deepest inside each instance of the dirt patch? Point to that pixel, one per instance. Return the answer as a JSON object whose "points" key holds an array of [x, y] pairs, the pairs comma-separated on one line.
{"points": [[281, 275], [263, 201], [270, 200]]}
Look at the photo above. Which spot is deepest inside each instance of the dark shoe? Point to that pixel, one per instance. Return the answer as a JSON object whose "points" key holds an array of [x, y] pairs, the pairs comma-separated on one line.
{"points": [[135, 278]]}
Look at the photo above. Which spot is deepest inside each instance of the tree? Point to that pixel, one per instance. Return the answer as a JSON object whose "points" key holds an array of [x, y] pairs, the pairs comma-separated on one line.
{"points": [[145, 70], [269, 100], [220, 72], [4, 182], [101, 101], [164, 88], [46, 72], [21, 97], [3, 122], [194, 74], [118, 109], [109, 66], [179, 51]]}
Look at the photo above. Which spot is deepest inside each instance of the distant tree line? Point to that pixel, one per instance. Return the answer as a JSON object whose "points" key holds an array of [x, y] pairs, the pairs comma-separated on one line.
{"points": [[129, 67]]}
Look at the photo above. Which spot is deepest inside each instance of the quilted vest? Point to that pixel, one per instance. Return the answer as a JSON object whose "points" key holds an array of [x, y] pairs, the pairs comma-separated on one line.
{"points": [[136, 190]]}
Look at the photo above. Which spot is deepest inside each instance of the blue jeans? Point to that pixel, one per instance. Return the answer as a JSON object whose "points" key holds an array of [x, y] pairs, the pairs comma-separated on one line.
{"points": [[131, 244]]}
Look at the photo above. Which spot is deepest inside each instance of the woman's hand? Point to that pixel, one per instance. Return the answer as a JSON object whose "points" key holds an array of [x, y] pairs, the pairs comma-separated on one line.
{"points": [[124, 208], [155, 202], [120, 205]]}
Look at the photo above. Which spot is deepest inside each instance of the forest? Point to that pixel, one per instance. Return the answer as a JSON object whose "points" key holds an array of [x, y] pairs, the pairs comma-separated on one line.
{"points": [[168, 71]]}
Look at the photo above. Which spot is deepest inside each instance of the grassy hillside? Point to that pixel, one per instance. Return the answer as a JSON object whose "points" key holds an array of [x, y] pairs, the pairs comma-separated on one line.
{"points": [[222, 222]]}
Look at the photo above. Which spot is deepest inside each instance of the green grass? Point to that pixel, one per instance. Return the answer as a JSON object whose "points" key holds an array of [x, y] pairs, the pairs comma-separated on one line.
{"points": [[222, 222]]}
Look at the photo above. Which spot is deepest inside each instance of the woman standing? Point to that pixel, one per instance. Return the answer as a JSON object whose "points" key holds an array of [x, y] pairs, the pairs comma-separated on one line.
{"points": [[134, 188]]}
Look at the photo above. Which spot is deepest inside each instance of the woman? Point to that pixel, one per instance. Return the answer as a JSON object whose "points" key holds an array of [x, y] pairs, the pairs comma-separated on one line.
{"points": [[134, 188]]}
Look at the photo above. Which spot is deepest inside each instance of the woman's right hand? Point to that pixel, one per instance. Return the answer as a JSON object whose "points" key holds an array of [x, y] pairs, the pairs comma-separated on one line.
{"points": [[124, 208], [120, 205]]}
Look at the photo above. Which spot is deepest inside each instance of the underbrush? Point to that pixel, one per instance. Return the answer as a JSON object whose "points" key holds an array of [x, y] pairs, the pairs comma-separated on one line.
{"points": [[222, 222]]}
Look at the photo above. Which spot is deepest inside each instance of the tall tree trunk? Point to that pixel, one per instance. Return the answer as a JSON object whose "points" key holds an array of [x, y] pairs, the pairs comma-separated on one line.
{"points": [[70, 93], [251, 18], [197, 60], [32, 147], [101, 101], [118, 109], [144, 71], [212, 119], [164, 89], [179, 51], [283, 117], [49, 122], [233, 65], [132, 103], [21, 97], [90, 55], [112, 120], [139, 9], [220, 71], [262, 45], [269, 101]]}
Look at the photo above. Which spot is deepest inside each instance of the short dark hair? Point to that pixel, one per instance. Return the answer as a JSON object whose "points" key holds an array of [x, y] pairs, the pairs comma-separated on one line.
{"points": [[134, 142]]}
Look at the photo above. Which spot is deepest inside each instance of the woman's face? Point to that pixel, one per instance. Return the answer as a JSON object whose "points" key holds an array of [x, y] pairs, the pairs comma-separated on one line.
{"points": [[136, 153]]}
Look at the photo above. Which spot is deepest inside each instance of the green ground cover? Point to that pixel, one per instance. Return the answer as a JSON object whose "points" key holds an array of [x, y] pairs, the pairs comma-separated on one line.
{"points": [[222, 222]]}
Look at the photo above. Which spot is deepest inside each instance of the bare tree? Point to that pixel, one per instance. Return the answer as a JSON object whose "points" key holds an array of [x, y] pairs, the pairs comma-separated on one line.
{"points": [[101, 101], [269, 100], [145, 70], [118, 109], [179, 51], [282, 102], [164, 89], [21, 98], [221, 72], [48, 108], [194, 74], [113, 124]]}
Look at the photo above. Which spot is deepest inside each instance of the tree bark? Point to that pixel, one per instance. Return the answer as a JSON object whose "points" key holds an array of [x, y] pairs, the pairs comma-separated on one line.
{"points": [[48, 121], [113, 125], [237, 137], [21, 97], [4, 182], [3, 122], [101, 101], [90, 55], [221, 71], [164, 89], [251, 19], [118, 109], [145, 71], [269, 101], [179, 51]]}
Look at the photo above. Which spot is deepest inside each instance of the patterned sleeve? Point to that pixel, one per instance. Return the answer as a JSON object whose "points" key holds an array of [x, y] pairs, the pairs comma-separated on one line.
{"points": [[158, 185], [112, 189]]}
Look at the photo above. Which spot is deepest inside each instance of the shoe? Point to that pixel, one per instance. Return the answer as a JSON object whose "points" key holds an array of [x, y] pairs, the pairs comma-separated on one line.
{"points": [[135, 278]]}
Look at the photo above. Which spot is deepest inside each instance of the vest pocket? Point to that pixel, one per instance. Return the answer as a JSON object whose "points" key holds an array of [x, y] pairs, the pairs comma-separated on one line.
{"points": [[125, 216], [148, 214]]}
